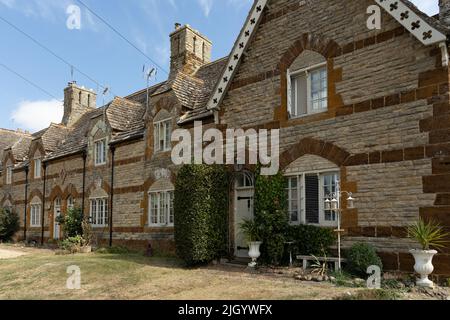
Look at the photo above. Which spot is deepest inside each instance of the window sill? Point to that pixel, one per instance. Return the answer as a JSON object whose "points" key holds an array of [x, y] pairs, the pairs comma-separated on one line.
{"points": [[99, 165], [96, 226], [309, 115], [160, 226]]}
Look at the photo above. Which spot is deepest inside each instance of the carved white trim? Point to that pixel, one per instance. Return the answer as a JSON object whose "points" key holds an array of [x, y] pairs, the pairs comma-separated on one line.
{"points": [[236, 54], [416, 25]]}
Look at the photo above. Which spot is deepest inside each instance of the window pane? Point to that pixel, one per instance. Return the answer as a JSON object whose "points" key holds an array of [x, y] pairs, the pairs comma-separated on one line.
{"points": [[299, 95], [330, 187], [171, 213], [319, 90], [168, 133]]}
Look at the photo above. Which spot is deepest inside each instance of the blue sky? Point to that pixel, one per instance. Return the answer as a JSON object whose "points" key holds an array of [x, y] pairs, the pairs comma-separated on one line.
{"points": [[99, 52]]}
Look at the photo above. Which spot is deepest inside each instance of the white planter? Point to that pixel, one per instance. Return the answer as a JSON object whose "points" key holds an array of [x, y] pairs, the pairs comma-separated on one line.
{"points": [[424, 266], [254, 253]]}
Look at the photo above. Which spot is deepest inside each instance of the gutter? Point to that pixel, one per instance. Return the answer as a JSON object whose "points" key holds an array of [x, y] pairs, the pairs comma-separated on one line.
{"points": [[111, 204], [84, 182], [43, 204], [26, 205]]}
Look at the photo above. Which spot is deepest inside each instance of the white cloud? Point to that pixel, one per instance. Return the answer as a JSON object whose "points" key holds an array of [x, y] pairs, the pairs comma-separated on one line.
{"points": [[37, 115], [206, 6], [8, 3], [430, 7]]}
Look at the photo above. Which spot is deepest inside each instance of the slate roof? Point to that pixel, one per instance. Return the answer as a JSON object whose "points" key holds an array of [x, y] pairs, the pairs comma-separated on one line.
{"points": [[207, 76], [52, 136], [18, 142], [122, 114]]}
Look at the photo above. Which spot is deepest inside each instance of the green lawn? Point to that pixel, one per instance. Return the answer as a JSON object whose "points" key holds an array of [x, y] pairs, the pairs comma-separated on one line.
{"points": [[42, 275]]}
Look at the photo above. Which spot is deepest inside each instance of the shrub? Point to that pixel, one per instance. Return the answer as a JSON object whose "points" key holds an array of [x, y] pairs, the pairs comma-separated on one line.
{"points": [[72, 223], [73, 244], [201, 213], [360, 257], [9, 224], [429, 235], [311, 240], [271, 216]]}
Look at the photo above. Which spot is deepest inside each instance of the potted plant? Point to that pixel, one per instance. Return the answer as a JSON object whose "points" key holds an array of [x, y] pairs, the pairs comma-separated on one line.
{"points": [[429, 235], [252, 234]]}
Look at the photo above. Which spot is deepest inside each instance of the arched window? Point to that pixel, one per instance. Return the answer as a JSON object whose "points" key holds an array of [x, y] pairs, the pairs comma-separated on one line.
{"points": [[35, 212], [99, 208], [307, 85], [162, 130], [70, 203], [309, 181], [160, 204]]}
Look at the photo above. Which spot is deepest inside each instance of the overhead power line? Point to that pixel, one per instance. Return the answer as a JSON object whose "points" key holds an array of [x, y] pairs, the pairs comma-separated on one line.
{"points": [[29, 81], [38, 43], [121, 35]]}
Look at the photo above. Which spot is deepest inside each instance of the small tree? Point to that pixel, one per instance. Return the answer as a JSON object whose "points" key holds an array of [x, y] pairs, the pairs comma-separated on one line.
{"points": [[72, 223], [9, 224]]}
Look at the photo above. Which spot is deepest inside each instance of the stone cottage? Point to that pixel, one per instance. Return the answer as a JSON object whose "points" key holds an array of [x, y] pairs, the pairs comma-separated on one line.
{"points": [[356, 102]]}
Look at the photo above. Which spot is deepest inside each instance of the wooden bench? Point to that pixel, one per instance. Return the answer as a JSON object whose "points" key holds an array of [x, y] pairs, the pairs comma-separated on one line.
{"points": [[307, 259]]}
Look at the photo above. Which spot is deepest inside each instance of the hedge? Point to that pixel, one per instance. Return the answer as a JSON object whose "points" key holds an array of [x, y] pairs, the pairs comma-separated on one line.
{"points": [[201, 213], [9, 224], [271, 215], [311, 240]]}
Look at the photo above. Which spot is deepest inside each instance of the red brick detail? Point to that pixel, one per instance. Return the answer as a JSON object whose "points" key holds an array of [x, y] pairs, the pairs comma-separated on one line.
{"points": [[312, 146]]}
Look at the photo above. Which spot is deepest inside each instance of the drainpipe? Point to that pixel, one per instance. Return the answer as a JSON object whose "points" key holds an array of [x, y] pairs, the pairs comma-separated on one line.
{"points": [[111, 208], [84, 182], [26, 205], [44, 166]]}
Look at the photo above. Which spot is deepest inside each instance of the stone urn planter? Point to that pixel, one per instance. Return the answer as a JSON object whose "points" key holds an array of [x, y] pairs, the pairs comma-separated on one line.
{"points": [[429, 235], [254, 253], [424, 266]]}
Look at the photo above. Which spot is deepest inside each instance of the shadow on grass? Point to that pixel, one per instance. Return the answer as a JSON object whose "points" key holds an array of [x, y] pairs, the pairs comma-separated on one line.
{"points": [[140, 258]]}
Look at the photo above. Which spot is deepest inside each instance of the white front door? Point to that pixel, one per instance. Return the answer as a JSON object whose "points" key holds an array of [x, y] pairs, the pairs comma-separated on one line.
{"points": [[244, 211], [56, 226]]}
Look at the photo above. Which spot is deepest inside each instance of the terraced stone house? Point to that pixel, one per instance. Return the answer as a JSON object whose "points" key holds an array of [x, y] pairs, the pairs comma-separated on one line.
{"points": [[364, 106]]}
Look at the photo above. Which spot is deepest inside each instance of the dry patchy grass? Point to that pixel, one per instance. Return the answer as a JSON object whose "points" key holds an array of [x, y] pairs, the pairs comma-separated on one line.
{"points": [[42, 275]]}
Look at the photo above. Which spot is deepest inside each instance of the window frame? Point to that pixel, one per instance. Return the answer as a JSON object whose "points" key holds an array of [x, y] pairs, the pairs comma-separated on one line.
{"points": [[309, 103], [301, 199], [157, 138], [36, 171], [96, 155], [168, 215], [35, 215], [105, 218]]}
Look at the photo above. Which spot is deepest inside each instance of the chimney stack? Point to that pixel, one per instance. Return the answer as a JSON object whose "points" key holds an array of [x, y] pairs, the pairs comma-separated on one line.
{"points": [[77, 101], [444, 12], [189, 50]]}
